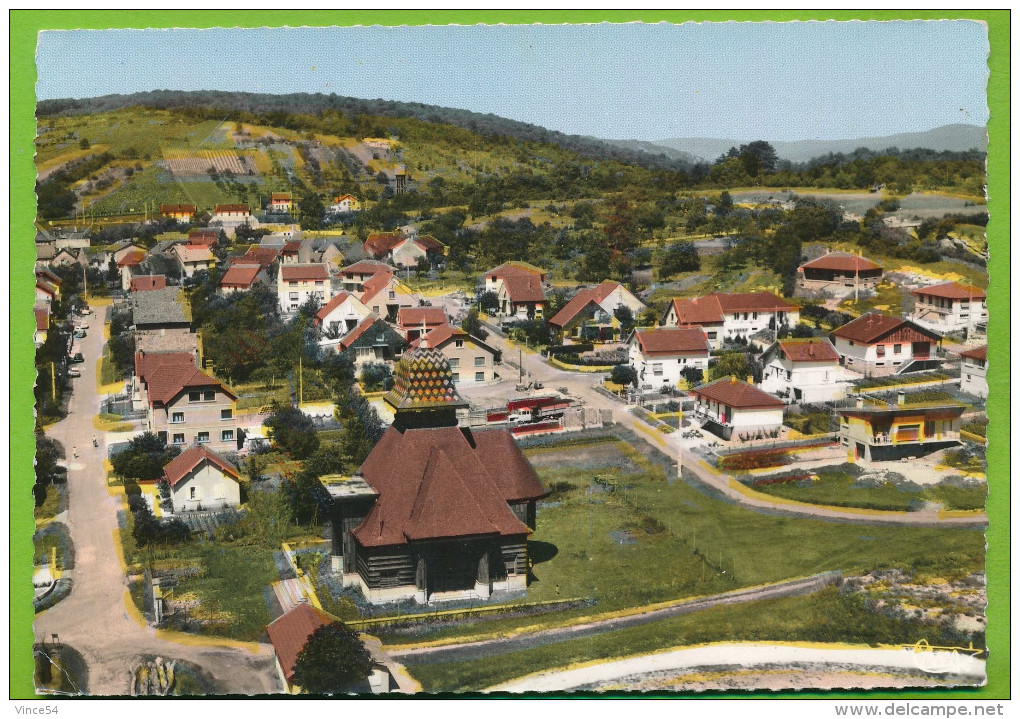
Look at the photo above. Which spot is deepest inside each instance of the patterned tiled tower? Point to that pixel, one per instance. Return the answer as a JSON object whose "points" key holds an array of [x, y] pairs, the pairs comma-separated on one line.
{"points": [[423, 393]]}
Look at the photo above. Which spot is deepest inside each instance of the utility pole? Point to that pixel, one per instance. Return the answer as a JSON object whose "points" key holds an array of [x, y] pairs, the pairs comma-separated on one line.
{"points": [[301, 381], [53, 382]]}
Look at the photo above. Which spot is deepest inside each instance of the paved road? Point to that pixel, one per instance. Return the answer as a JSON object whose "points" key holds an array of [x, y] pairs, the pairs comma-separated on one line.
{"points": [[581, 385], [506, 645], [969, 670], [94, 619]]}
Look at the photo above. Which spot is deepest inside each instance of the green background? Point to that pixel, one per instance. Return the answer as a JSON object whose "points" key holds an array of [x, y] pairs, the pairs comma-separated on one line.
{"points": [[26, 24]]}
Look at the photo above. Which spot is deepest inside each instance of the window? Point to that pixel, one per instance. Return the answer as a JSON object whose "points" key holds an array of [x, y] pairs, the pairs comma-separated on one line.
{"points": [[178, 439], [851, 343], [479, 361], [192, 492], [318, 283], [897, 349], [789, 374], [227, 435], [177, 418], [454, 362], [479, 376], [162, 437], [293, 296], [458, 343], [292, 284], [754, 315], [393, 295], [712, 335], [209, 395], [203, 437], [226, 414], [456, 376], [194, 396], [745, 315], [881, 350], [657, 369]]}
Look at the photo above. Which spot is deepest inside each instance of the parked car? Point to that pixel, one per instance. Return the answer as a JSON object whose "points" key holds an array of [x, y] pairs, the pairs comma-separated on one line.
{"points": [[85, 311], [79, 333], [74, 372], [78, 358]]}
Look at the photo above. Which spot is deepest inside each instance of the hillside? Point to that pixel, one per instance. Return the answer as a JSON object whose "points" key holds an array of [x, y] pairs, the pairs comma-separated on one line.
{"points": [[952, 138]]}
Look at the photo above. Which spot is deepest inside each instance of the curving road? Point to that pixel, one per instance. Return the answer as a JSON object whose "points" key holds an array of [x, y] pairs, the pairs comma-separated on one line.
{"points": [[94, 619], [581, 385]]}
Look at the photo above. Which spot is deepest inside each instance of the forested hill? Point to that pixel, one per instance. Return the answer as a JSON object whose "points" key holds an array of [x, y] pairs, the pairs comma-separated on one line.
{"points": [[276, 109]]}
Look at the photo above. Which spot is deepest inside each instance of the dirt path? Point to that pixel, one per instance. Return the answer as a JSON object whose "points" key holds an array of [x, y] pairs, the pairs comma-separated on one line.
{"points": [[625, 673], [95, 619], [520, 642]]}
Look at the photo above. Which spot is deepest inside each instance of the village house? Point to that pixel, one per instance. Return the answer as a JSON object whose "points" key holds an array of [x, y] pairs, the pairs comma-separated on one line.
{"points": [[200, 479], [379, 245], [731, 316], [182, 213], [372, 341], [839, 271], [130, 265], [385, 295], [951, 307], [729, 406], [281, 203], [204, 236], [590, 315], [264, 257], [888, 432], [147, 283], [125, 248], [42, 324], [290, 253], [411, 251], [72, 240], [183, 404], [241, 278], [230, 217], [339, 317], [46, 291], [297, 283], [413, 322], [69, 258], [342, 204], [471, 360], [660, 355], [193, 258], [876, 345], [353, 277], [803, 371], [45, 251], [492, 278], [519, 290], [436, 512], [974, 371]]}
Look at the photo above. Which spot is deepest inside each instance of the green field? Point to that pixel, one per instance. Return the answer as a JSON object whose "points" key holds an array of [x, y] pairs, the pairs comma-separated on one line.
{"points": [[835, 487], [826, 616], [622, 535]]}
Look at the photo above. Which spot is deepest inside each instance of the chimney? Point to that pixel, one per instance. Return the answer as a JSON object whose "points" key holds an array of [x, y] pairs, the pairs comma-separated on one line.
{"points": [[733, 379], [860, 403], [750, 379], [901, 397]]}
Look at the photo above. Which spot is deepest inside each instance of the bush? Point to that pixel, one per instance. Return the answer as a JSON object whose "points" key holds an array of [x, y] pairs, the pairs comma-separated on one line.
{"points": [[293, 431], [754, 460], [623, 374], [376, 376], [144, 458]]}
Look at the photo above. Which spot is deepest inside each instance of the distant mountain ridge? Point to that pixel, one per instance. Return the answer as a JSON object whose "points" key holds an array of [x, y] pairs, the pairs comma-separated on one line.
{"points": [[955, 138]]}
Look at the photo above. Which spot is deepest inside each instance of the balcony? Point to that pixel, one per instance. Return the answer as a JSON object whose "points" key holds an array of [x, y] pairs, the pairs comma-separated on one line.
{"points": [[886, 439]]}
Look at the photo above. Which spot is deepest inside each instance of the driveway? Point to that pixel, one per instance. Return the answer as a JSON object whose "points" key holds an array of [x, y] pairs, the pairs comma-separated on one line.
{"points": [[95, 619]]}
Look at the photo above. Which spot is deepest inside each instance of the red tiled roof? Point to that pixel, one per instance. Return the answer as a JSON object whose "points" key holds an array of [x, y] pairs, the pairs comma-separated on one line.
{"points": [[281, 197], [842, 262], [231, 208], [53, 279], [348, 339], [809, 351], [167, 374], [374, 285], [194, 253], [202, 236], [978, 353], [145, 283], [672, 341], [132, 259], [42, 318], [238, 275], [581, 300], [412, 317], [186, 461], [753, 301], [340, 198], [263, 256], [524, 287], [952, 291], [737, 394], [871, 327], [445, 482], [514, 267], [338, 299], [430, 243], [290, 633], [365, 267], [296, 273], [291, 248], [698, 311], [170, 209], [379, 243], [46, 287]]}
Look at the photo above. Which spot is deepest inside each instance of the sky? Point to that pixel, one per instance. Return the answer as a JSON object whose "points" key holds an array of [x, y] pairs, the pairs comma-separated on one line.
{"points": [[744, 81]]}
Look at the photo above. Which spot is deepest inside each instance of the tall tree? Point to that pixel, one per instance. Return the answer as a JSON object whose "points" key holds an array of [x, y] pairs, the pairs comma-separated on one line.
{"points": [[332, 660]]}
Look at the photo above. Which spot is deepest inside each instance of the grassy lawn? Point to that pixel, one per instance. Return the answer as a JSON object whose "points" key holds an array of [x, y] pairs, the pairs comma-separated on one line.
{"points": [[255, 400], [943, 270], [835, 487], [53, 535], [616, 531], [50, 507], [447, 281], [108, 373], [888, 298], [822, 617]]}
